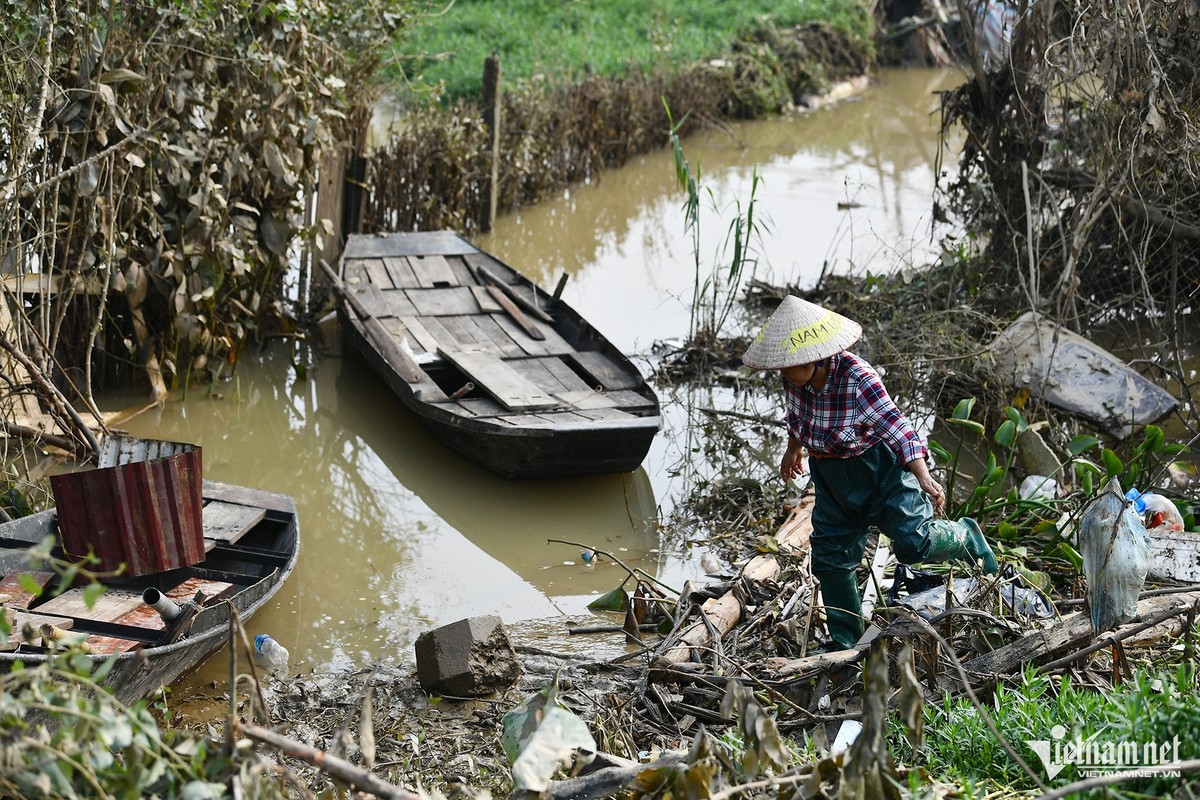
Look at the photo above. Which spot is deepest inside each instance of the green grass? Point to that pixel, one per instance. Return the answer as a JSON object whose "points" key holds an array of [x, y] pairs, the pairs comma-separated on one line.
{"points": [[563, 39], [959, 747]]}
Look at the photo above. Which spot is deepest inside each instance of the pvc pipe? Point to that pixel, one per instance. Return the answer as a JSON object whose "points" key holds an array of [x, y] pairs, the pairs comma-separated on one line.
{"points": [[167, 608]]}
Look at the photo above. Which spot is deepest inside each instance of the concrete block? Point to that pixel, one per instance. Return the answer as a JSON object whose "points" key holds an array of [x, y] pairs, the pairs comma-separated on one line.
{"points": [[469, 658]]}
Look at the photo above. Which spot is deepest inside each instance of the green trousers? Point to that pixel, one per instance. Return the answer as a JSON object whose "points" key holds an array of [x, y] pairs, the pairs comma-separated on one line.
{"points": [[874, 489]]}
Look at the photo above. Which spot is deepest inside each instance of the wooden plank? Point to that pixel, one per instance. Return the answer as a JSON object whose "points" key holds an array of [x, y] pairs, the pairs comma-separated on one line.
{"points": [[432, 271], [377, 274], [604, 372], [630, 400], [445, 338], [371, 300], [605, 414], [500, 338], [420, 334], [482, 407], [227, 522], [401, 273], [487, 303], [398, 304], [552, 345], [443, 302], [566, 376], [17, 596], [529, 421], [586, 399], [382, 245], [109, 607], [500, 381], [461, 272], [398, 331], [534, 369], [354, 273], [232, 493], [465, 330], [516, 314]]}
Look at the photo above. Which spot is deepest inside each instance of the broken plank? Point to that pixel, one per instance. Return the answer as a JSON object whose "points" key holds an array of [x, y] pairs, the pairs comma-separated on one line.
{"points": [[498, 379], [228, 522], [432, 271]]}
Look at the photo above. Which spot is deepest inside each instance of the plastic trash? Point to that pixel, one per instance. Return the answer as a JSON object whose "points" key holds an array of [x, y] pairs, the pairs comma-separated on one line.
{"points": [[1116, 556], [269, 652], [1038, 487], [1159, 513], [1024, 601]]}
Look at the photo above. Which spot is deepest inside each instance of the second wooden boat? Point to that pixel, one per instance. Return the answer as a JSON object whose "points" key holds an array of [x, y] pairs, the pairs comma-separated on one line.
{"points": [[251, 543], [505, 374]]}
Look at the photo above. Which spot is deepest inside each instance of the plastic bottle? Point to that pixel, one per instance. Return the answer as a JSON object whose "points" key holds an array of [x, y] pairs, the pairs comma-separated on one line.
{"points": [[1158, 512], [271, 653]]}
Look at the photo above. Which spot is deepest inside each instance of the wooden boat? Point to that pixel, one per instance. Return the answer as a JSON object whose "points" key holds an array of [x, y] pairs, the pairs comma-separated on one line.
{"points": [[505, 374], [251, 542]]}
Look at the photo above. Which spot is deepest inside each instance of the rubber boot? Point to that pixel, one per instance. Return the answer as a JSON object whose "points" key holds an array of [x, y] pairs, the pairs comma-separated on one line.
{"points": [[960, 539], [843, 607]]}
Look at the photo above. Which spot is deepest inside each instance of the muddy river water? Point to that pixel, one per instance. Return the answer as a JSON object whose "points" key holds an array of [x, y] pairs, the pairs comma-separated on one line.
{"points": [[399, 535]]}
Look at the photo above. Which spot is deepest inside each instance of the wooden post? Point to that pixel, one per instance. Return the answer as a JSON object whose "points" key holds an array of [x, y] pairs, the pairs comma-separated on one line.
{"points": [[491, 118]]}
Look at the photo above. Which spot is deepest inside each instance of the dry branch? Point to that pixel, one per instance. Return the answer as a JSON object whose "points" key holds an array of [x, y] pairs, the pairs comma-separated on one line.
{"points": [[723, 613], [1075, 631]]}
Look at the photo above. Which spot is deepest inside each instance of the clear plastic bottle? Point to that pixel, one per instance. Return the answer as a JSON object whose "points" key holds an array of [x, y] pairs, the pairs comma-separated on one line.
{"points": [[270, 653]]}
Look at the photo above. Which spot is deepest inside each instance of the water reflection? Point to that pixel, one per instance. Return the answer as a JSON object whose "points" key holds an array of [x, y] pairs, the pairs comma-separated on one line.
{"points": [[398, 533]]}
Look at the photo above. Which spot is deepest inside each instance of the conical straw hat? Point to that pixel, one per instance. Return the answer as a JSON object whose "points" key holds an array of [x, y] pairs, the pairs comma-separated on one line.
{"points": [[800, 332]]}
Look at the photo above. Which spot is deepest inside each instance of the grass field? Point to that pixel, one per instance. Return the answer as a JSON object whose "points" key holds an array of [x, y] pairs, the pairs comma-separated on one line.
{"points": [[563, 39]]}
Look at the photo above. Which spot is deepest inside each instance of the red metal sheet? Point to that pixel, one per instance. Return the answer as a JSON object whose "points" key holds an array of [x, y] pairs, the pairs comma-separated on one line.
{"points": [[146, 514]]}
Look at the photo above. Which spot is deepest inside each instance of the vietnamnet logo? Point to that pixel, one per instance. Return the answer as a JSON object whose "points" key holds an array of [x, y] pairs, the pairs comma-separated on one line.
{"points": [[1093, 756]]}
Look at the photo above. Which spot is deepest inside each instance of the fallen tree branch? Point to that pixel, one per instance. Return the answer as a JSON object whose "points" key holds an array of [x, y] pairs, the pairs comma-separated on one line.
{"points": [[607, 781], [1075, 630], [723, 613], [331, 765]]}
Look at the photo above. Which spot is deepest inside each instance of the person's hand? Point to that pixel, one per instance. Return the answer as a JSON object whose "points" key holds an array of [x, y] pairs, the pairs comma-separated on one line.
{"points": [[937, 495], [793, 463]]}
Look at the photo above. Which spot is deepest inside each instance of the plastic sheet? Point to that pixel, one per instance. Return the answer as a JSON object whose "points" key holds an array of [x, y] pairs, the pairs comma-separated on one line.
{"points": [[1115, 548]]}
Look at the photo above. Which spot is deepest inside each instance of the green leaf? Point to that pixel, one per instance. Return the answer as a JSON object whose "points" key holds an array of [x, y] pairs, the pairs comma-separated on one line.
{"points": [[939, 452], [1014, 416], [1038, 580], [1112, 462], [615, 600], [540, 736], [1082, 443], [1066, 552], [1152, 439], [91, 593], [969, 424], [963, 410], [1007, 531], [1006, 434]]}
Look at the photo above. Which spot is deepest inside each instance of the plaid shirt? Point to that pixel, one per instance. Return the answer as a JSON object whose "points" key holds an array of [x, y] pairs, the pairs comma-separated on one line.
{"points": [[850, 414]]}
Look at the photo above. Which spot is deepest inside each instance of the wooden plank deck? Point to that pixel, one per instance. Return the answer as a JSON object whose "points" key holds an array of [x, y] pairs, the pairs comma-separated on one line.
{"points": [[498, 379]]}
